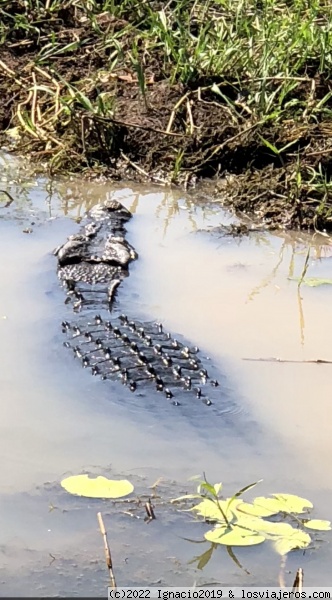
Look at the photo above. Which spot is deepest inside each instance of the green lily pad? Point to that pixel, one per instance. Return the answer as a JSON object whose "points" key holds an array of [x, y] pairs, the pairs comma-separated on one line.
{"points": [[318, 524], [212, 510], [98, 487], [271, 506], [269, 528], [292, 503], [235, 536], [254, 510], [298, 540], [288, 503]]}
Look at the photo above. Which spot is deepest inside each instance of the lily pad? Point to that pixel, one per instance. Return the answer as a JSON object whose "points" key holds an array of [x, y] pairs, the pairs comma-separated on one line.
{"points": [[318, 524], [212, 510], [298, 540], [267, 528], [254, 510], [288, 503], [98, 487], [235, 536]]}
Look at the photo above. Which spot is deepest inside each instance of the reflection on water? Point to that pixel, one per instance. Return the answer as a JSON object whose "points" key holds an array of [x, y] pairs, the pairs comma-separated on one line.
{"points": [[233, 298]]}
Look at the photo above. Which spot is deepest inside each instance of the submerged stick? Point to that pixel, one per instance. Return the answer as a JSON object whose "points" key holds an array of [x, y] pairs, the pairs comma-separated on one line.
{"points": [[298, 581], [149, 511], [108, 556]]}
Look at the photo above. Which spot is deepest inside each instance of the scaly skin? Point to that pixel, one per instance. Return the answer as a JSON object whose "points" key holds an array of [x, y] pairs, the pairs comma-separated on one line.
{"points": [[91, 265]]}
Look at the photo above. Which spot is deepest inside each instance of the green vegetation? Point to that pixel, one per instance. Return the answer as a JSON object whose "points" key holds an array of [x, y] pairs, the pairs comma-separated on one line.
{"points": [[236, 523], [239, 523], [172, 91], [97, 487]]}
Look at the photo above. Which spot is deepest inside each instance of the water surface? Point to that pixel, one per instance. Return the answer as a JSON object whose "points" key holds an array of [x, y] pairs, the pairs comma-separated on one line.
{"points": [[235, 299]]}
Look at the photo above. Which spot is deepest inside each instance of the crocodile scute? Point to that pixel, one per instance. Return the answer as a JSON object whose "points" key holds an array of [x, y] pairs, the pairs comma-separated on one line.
{"points": [[140, 354]]}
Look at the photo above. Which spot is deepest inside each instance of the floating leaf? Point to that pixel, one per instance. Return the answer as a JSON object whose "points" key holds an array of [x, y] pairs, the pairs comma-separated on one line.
{"points": [[270, 505], [298, 540], [283, 503], [291, 503], [215, 511], [99, 487], [254, 510], [235, 536], [313, 281], [271, 528], [318, 524]]}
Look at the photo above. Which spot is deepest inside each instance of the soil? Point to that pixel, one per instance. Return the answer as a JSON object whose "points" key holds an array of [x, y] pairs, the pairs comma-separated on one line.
{"points": [[169, 133]]}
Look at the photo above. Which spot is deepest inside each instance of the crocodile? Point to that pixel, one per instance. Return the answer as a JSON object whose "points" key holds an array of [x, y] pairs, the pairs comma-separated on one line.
{"points": [[91, 266]]}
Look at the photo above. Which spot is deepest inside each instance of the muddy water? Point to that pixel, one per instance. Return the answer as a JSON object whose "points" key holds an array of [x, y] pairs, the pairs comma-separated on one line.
{"points": [[235, 300]]}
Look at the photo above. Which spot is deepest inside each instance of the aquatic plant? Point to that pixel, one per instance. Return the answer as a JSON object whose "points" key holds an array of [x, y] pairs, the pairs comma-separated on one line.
{"points": [[238, 523]]}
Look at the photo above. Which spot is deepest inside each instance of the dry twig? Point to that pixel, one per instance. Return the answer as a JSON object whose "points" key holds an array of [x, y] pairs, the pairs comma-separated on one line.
{"points": [[107, 550]]}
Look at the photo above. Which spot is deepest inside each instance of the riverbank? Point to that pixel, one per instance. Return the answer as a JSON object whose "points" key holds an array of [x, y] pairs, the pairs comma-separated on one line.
{"points": [[175, 92]]}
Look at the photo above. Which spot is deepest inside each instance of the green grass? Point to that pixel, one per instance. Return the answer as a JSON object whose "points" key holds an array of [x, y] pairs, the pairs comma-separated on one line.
{"points": [[267, 63], [263, 49]]}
